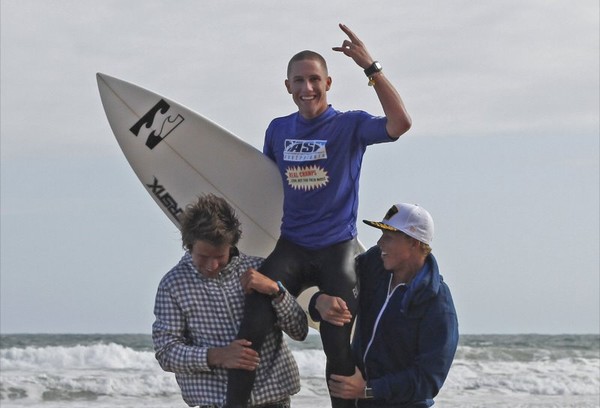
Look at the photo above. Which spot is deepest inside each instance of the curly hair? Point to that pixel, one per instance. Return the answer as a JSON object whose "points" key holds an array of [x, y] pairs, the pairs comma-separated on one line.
{"points": [[210, 218]]}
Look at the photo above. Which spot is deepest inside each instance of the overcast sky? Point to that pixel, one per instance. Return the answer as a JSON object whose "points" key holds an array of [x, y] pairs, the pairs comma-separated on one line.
{"points": [[504, 149]]}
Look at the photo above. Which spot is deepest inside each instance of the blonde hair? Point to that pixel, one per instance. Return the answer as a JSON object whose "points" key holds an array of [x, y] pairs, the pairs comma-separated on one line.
{"points": [[425, 248]]}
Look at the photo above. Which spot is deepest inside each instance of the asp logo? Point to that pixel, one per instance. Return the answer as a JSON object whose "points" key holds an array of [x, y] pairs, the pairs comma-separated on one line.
{"points": [[159, 122], [160, 192], [304, 150]]}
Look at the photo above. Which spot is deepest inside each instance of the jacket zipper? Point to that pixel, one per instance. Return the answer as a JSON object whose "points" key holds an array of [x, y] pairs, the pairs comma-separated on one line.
{"points": [[375, 326]]}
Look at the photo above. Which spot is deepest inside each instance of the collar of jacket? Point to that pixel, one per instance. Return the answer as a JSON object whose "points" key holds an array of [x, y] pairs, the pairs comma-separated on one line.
{"points": [[424, 286], [231, 267]]}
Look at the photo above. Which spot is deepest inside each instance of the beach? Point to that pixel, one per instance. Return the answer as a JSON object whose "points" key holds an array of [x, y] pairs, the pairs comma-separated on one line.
{"points": [[112, 370]]}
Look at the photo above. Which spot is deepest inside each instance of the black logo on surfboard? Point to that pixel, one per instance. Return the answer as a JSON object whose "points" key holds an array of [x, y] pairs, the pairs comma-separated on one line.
{"points": [[159, 122], [166, 199]]}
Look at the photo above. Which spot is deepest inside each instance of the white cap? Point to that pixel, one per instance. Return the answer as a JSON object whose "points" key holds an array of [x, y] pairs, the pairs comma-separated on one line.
{"points": [[411, 219]]}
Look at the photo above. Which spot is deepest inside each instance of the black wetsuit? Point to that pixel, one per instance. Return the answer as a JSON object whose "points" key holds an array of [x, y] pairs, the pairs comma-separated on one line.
{"points": [[332, 270]]}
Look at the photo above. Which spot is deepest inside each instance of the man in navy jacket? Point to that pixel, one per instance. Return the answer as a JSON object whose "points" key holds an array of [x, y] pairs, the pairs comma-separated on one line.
{"points": [[406, 331]]}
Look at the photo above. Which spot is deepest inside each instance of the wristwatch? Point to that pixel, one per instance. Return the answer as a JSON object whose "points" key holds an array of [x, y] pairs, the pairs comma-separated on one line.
{"points": [[279, 292], [368, 392], [373, 69]]}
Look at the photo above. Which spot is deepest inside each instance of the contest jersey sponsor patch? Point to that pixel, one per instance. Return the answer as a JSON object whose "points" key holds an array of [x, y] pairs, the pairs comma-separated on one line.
{"points": [[307, 177], [304, 150]]}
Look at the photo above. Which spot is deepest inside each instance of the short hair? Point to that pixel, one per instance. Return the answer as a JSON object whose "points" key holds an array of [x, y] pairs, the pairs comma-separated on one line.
{"points": [[306, 55], [425, 248], [210, 218]]}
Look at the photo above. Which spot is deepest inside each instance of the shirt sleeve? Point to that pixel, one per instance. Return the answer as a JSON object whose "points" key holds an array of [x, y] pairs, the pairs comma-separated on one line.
{"points": [[372, 129], [290, 317], [171, 345], [267, 145]]}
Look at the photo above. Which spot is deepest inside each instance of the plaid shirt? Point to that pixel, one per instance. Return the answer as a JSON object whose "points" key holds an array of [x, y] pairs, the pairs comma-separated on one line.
{"points": [[195, 313]]}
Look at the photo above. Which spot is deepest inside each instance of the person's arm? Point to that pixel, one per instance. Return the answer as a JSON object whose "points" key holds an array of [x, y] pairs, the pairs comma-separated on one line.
{"points": [[267, 145], [172, 348], [290, 316], [422, 381], [398, 119], [174, 351], [236, 354], [438, 339], [331, 309], [348, 387]]}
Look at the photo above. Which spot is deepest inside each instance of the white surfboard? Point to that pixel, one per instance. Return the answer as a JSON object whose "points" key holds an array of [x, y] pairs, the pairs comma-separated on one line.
{"points": [[178, 154]]}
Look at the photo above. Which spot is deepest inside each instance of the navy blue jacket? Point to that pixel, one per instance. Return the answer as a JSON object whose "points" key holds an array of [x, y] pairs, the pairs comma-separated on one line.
{"points": [[409, 356]]}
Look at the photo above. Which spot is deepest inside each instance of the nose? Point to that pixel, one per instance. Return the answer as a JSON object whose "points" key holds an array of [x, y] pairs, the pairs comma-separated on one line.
{"points": [[308, 85], [212, 264]]}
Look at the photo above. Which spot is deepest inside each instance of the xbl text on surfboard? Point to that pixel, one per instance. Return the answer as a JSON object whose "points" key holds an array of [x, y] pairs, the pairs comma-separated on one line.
{"points": [[165, 198]]}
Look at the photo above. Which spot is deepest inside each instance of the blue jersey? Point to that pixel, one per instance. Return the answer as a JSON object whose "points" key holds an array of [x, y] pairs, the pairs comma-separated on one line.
{"points": [[320, 161]]}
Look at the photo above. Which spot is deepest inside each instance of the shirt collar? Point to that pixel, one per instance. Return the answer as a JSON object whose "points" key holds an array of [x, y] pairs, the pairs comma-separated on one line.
{"points": [[231, 267]]}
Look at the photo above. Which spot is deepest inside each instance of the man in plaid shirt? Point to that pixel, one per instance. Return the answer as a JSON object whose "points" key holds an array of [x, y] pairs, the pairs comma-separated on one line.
{"points": [[200, 304]]}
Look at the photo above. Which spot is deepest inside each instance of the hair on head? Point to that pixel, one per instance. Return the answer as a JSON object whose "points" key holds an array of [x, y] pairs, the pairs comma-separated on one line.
{"points": [[210, 218]]}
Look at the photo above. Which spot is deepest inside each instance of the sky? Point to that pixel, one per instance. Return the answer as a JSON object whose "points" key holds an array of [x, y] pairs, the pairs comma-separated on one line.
{"points": [[503, 152]]}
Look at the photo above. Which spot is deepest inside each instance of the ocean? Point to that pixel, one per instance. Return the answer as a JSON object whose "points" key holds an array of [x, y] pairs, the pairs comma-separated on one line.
{"points": [[111, 370]]}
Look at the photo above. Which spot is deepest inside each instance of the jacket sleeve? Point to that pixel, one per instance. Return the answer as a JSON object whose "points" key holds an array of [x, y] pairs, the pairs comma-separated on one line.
{"points": [[290, 317], [437, 343], [171, 345]]}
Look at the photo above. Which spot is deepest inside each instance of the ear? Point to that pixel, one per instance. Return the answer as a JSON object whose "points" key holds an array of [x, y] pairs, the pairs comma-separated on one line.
{"points": [[287, 86], [329, 81], [414, 243]]}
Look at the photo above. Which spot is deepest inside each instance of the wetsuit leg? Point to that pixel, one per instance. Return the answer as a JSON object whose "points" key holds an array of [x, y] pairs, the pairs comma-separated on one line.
{"points": [[259, 317], [337, 277]]}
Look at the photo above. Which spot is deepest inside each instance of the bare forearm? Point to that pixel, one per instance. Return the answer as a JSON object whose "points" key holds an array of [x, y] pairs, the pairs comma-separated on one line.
{"points": [[398, 119]]}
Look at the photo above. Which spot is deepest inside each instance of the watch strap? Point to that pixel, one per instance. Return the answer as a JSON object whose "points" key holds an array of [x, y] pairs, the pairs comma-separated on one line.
{"points": [[280, 291], [374, 68]]}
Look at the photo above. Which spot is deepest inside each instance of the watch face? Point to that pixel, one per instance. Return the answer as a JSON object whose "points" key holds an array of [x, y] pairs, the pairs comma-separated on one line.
{"points": [[375, 67]]}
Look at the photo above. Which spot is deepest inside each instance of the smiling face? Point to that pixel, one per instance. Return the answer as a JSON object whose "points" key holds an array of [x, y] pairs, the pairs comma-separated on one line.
{"points": [[209, 259], [397, 250], [308, 84]]}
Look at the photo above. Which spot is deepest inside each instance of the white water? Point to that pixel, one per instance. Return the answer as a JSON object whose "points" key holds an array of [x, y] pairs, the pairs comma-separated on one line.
{"points": [[109, 375]]}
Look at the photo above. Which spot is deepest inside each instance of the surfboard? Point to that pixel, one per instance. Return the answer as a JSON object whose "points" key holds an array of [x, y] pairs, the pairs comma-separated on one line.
{"points": [[178, 154]]}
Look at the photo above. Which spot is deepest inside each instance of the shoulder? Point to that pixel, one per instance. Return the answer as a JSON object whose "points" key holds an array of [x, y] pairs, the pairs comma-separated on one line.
{"points": [[357, 115], [369, 264], [179, 272], [282, 120], [249, 261], [438, 292], [277, 128], [369, 128], [372, 255], [444, 297]]}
